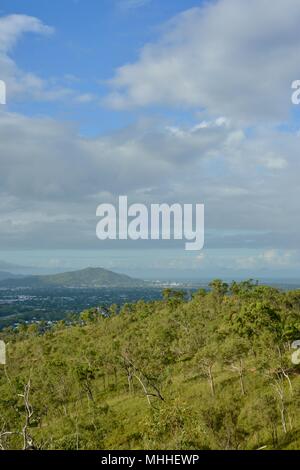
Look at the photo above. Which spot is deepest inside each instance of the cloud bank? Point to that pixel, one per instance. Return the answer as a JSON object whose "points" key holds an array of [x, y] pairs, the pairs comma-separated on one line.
{"points": [[229, 57], [229, 65]]}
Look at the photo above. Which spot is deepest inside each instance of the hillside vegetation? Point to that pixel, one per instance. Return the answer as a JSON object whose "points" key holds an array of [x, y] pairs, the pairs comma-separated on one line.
{"points": [[212, 372]]}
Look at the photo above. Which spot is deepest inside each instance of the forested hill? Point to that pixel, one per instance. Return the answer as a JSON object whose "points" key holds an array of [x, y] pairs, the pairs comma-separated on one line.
{"points": [[214, 372], [89, 277]]}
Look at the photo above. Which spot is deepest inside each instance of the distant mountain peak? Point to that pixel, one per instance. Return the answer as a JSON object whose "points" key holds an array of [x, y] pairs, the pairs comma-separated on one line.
{"points": [[6, 275], [91, 277]]}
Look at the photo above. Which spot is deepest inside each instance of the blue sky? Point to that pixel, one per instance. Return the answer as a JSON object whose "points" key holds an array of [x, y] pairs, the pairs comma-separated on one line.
{"points": [[164, 101], [92, 38]]}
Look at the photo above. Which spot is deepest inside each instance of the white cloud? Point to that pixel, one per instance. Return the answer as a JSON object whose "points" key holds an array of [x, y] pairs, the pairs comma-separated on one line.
{"points": [[269, 259], [52, 179], [12, 28], [273, 161], [22, 84], [231, 57], [47, 168]]}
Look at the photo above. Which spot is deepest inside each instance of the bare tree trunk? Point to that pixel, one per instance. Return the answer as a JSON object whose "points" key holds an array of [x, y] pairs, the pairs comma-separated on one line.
{"points": [[240, 370], [286, 375], [290, 422], [130, 383], [133, 372], [89, 391], [211, 380], [278, 386], [241, 375], [4, 434], [283, 421], [144, 388], [77, 437], [27, 439]]}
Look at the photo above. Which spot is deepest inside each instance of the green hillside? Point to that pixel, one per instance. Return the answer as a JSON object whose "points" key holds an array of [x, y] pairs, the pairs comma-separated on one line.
{"points": [[89, 277], [214, 372]]}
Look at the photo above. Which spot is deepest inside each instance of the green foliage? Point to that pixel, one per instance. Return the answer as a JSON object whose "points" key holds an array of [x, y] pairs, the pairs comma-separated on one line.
{"points": [[212, 372]]}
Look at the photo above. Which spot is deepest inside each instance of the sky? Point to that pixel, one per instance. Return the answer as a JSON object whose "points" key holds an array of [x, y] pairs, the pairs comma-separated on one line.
{"points": [[164, 101]]}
